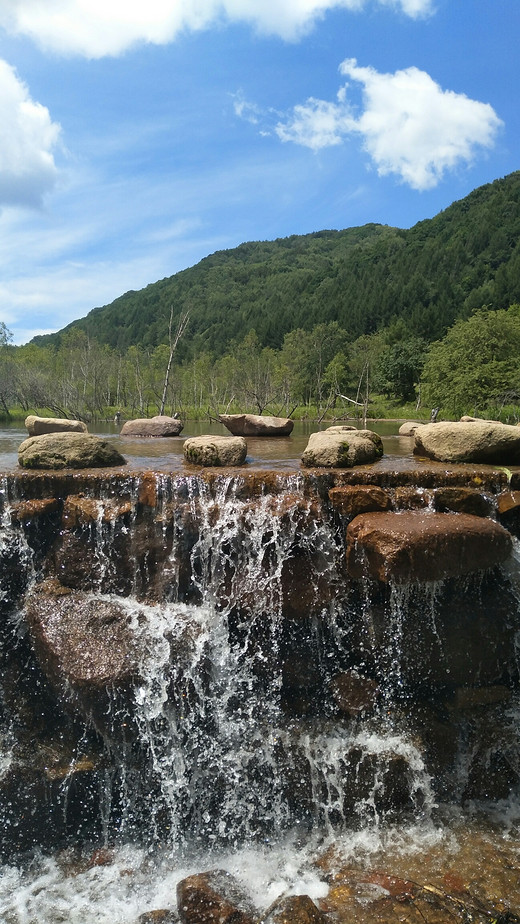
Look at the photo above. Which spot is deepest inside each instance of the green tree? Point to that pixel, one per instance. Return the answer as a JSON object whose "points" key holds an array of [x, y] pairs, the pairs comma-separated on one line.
{"points": [[399, 368], [476, 364]]}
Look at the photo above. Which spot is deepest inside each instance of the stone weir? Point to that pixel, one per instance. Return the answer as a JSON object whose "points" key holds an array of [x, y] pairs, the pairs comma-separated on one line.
{"points": [[227, 654]]}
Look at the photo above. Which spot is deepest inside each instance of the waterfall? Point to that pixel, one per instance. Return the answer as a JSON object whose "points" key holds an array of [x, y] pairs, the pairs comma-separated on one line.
{"points": [[262, 697]]}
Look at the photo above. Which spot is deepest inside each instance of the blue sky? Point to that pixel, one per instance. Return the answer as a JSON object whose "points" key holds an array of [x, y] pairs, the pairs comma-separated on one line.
{"points": [[137, 138]]}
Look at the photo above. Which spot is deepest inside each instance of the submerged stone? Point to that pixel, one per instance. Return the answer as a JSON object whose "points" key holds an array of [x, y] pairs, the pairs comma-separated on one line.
{"points": [[419, 546], [68, 450]]}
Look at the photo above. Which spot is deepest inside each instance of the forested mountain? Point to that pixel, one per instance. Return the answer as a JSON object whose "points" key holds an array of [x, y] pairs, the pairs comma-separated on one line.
{"points": [[364, 278]]}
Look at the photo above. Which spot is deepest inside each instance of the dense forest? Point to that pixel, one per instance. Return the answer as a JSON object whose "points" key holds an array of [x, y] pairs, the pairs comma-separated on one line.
{"points": [[304, 325]]}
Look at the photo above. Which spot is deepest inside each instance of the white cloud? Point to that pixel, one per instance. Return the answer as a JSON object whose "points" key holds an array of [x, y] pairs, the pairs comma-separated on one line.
{"points": [[409, 125], [414, 128], [27, 168], [95, 28]]}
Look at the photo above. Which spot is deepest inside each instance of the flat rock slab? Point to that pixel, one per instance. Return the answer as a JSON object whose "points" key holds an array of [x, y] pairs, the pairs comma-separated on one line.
{"points": [[256, 425], [38, 425], [342, 448], [68, 450], [483, 441], [215, 450], [423, 546], [161, 425]]}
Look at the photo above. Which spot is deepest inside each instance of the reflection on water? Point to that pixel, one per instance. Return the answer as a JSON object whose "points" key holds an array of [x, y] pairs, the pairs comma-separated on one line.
{"points": [[166, 454]]}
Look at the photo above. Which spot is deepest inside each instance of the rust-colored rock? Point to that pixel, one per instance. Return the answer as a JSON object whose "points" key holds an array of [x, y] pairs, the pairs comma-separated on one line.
{"points": [[409, 498], [353, 499], [213, 897], [296, 909], [419, 546], [147, 490], [24, 511], [79, 510], [508, 500], [462, 500]]}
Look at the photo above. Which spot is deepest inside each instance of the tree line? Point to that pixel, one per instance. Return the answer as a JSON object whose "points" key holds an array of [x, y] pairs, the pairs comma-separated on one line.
{"points": [[318, 373]]}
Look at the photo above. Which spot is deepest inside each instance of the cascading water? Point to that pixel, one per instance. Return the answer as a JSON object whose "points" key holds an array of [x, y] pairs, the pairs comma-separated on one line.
{"points": [[270, 700]]}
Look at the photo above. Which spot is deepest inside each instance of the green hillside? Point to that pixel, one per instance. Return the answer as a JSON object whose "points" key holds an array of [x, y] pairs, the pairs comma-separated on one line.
{"points": [[363, 278]]}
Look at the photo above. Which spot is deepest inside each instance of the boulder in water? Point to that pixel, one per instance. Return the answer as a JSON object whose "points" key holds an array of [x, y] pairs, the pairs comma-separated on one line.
{"points": [[256, 425], [68, 450], [409, 427], [38, 425], [161, 425], [342, 448], [215, 450], [474, 441], [295, 909], [214, 896], [417, 546], [351, 499]]}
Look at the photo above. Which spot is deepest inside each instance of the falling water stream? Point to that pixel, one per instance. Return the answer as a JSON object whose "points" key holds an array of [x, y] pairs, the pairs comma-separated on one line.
{"points": [[228, 748]]}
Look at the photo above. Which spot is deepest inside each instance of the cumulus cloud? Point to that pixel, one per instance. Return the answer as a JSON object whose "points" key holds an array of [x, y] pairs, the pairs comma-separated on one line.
{"points": [[95, 28], [408, 124], [27, 167]]}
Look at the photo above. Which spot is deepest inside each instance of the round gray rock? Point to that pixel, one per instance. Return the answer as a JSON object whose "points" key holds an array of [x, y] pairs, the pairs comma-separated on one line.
{"points": [[68, 450], [469, 441], [342, 448], [215, 450]]}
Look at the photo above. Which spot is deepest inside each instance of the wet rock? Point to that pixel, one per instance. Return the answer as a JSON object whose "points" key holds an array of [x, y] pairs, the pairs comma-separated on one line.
{"points": [[215, 450], [408, 498], [342, 449], [83, 643], [158, 916], [508, 501], [295, 909], [472, 697], [160, 426], [68, 450], [476, 441], [463, 500], [353, 693], [256, 425], [419, 546], [79, 510], [38, 425], [214, 897], [353, 499], [24, 511]]}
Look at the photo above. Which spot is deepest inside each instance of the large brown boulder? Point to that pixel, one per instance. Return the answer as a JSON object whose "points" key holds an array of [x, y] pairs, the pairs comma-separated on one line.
{"points": [[419, 546], [256, 425], [342, 448], [213, 897], [84, 643], [473, 441], [68, 450], [215, 450], [161, 425], [38, 425]]}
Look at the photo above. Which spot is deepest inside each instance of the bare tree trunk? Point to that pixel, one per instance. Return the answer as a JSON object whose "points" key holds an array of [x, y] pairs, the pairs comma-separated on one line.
{"points": [[173, 340]]}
